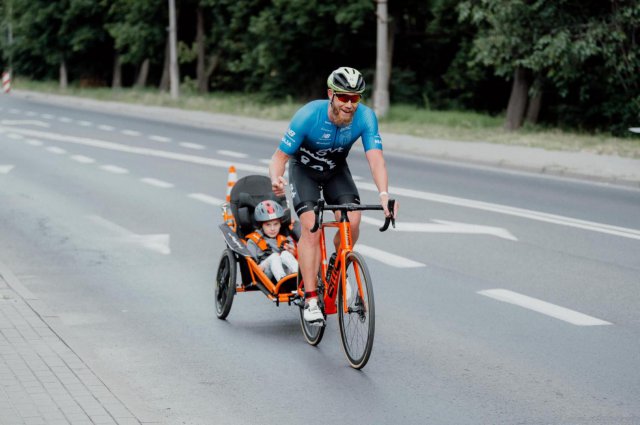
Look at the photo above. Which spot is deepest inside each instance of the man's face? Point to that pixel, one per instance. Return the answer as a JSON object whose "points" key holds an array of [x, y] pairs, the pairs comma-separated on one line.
{"points": [[271, 228], [343, 107]]}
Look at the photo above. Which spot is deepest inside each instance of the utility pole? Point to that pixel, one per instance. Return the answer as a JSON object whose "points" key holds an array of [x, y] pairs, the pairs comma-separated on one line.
{"points": [[174, 75], [381, 89]]}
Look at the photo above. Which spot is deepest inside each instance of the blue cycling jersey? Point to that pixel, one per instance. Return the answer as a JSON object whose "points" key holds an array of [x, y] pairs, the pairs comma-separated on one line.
{"points": [[319, 144]]}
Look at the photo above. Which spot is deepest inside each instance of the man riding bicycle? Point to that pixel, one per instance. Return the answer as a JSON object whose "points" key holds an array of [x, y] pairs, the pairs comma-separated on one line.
{"points": [[316, 145]]}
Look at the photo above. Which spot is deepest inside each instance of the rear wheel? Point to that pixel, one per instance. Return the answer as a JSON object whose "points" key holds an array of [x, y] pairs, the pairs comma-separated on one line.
{"points": [[225, 283], [357, 324], [312, 334]]}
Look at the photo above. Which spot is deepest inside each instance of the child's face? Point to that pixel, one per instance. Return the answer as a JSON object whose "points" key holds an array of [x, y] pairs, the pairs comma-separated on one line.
{"points": [[271, 228]]}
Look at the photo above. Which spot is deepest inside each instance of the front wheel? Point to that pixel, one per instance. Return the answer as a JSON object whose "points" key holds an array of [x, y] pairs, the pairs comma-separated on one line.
{"points": [[225, 283], [357, 323], [312, 334]]}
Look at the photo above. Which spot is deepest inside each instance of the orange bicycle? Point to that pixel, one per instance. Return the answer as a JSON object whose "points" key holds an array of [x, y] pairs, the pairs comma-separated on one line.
{"points": [[347, 279]]}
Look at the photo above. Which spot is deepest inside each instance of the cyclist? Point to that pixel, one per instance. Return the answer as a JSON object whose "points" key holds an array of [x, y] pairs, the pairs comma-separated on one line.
{"points": [[273, 250], [316, 145]]}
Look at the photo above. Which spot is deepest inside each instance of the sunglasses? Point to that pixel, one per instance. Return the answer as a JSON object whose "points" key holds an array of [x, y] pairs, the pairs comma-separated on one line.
{"points": [[344, 97]]}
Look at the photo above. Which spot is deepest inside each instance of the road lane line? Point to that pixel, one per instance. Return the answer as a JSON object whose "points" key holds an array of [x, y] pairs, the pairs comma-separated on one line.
{"points": [[206, 199], [233, 154], [513, 211], [5, 169], [15, 136], [191, 145], [47, 116], [65, 119], [33, 142], [114, 169], [56, 150], [106, 127], [160, 139], [103, 144], [555, 311], [386, 257], [156, 182], [433, 197], [83, 159], [85, 123], [131, 132]]}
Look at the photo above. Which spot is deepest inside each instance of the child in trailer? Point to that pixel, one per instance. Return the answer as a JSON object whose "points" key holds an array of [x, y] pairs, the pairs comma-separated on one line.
{"points": [[274, 251]]}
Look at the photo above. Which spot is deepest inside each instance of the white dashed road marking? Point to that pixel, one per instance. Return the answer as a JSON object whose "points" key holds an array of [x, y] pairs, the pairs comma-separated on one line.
{"points": [[160, 139], [191, 145], [106, 127], [85, 123], [56, 150], [65, 119], [83, 159], [570, 316], [114, 169], [232, 154], [47, 116], [33, 142], [131, 132], [4, 169], [157, 183], [206, 199]]}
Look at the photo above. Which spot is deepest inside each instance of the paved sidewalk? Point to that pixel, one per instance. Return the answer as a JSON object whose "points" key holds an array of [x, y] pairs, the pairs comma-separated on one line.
{"points": [[582, 165], [42, 378]]}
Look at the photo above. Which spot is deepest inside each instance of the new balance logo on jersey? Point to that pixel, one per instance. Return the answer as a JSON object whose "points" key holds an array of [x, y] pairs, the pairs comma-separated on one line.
{"points": [[326, 136]]}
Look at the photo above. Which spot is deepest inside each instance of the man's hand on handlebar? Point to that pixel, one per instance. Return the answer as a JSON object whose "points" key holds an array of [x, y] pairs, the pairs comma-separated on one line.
{"points": [[384, 201], [278, 186]]}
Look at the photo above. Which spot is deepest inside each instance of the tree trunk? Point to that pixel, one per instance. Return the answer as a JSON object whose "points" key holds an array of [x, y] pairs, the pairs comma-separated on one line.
{"points": [[201, 72], [517, 100], [381, 83], [143, 74], [535, 103], [64, 79], [116, 83], [164, 81]]}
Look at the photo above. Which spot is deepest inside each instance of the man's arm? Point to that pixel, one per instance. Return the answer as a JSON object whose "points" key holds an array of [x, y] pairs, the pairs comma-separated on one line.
{"points": [[380, 177], [276, 172]]}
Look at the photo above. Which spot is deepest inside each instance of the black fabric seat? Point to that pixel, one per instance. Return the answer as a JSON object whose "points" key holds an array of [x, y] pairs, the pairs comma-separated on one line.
{"points": [[248, 192]]}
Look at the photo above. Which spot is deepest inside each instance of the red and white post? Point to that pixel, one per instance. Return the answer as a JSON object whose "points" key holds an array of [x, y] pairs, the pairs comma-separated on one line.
{"points": [[6, 81]]}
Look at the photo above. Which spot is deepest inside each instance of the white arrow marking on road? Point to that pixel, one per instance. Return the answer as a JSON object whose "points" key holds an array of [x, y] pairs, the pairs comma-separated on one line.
{"points": [[158, 242], [442, 226], [25, 122], [562, 313], [504, 209], [4, 169], [386, 257]]}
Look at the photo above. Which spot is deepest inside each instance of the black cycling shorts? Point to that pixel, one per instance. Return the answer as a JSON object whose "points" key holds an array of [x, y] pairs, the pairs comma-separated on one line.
{"points": [[337, 186]]}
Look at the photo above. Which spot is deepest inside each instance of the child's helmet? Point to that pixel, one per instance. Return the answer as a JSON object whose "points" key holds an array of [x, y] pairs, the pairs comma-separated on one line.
{"points": [[268, 210]]}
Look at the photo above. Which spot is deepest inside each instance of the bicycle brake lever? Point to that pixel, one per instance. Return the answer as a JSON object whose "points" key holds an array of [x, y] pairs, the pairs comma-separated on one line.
{"points": [[391, 219]]}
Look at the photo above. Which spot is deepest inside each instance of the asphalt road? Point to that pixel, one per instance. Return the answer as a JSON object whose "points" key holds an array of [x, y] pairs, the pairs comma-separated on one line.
{"points": [[501, 298]]}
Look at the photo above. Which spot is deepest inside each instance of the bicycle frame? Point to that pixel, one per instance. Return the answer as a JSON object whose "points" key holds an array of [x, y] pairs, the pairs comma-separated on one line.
{"points": [[346, 246]]}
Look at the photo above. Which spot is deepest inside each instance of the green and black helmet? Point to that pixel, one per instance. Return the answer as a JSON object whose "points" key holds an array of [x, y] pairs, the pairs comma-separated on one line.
{"points": [[346, 80]]}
